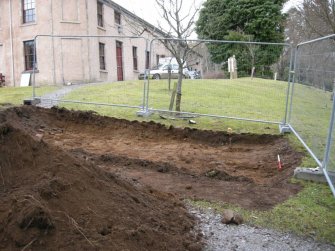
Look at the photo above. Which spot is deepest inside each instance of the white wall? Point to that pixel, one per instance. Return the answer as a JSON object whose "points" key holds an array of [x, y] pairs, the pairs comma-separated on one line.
{"points": [[70, 10], [2, 60], [72, 65]]}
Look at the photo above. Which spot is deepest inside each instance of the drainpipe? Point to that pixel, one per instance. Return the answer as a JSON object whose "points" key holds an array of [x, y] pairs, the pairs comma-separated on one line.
{"points": [[11, 41], [88, 44], [53, 43]]}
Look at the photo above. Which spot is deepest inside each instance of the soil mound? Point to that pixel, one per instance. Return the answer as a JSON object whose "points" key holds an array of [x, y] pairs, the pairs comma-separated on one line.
{"points": [[51, 200]]}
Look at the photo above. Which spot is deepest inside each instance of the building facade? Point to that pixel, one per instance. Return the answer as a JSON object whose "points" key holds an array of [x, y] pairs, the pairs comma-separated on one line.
{"points": [[93, 41]]}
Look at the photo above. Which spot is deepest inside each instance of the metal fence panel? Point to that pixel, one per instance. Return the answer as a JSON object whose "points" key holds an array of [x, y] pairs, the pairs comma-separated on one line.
{"points": [[329, 159], [90, 71], [255, 91], [248, 81], [312, 99]]}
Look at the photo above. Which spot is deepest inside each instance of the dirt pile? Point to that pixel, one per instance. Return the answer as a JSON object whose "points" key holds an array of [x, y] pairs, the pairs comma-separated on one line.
{"points": [[51, 200]]}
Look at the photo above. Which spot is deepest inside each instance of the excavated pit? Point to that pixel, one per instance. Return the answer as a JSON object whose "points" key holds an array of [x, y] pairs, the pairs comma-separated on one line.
{"points": [[76, 179]]}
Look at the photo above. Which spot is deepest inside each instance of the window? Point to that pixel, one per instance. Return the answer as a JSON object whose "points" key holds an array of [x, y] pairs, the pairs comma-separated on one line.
{"points": [[28, 11], [135, 58], [102, 56], [157, 59], [175, 67], [117, 17], [29, 47], [100, 14], [147, 59]]}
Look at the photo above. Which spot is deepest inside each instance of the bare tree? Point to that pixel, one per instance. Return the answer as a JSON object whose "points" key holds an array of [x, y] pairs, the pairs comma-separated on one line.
{"points": [[312, 19], [319, 16], [180, 22]]}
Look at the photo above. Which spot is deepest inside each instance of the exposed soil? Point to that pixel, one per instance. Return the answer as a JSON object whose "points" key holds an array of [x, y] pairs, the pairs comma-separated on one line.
{"points": [[53, 201], [75, 179]]}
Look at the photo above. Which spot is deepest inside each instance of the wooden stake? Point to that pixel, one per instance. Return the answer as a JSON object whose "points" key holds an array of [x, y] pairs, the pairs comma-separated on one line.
{"points": [[173, 96]]}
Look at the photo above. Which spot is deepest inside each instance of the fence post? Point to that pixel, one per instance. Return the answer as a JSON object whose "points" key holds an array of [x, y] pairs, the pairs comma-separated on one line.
{"points": [[285, 127], [329, 146], [34, 66], [293, 72]]}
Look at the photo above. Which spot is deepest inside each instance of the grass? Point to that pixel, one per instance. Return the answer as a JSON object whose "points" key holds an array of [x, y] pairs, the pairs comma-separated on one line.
{"points": [[16, 95], [261, 99], [311, 212]]}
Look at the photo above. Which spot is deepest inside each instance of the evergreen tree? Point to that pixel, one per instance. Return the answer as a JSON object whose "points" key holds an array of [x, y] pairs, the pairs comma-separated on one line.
{"points": [[243, 20]]}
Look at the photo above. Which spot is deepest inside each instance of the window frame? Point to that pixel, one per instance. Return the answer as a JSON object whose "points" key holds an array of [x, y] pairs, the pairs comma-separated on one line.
{"points": [[157, 59], [102, 56], [135, 59], [147, 59], [28, 6], [29, 51], [117, 18], [100, 14]]}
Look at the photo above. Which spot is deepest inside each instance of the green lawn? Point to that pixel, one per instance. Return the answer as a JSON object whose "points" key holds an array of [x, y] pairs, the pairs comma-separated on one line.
{"points": [[310, 116], [257, 99], [16, 95], [311, 212]]}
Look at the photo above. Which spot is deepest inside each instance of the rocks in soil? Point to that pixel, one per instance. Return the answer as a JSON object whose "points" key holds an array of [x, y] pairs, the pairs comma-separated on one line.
{"points": [[188, 187], [35, 217], [39, 136], [163, 169], [231, 217], [222, 175], [212, 173]]}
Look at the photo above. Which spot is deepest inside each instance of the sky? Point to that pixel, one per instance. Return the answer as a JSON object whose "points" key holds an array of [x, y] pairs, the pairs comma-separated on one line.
{"points": [[148, 11], [292, 3]]}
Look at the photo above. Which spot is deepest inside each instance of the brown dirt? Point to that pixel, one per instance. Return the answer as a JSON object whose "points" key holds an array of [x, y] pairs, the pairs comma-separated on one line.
{"points": [[83, 179], [52, 201]]}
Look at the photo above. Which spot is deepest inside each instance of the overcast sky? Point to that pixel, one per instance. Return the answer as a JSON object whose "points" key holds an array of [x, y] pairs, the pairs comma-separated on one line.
{"points": [[148, 11]]}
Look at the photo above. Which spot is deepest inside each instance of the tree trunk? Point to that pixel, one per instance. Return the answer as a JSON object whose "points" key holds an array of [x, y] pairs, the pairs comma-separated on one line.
{"points": [[180, 81]]}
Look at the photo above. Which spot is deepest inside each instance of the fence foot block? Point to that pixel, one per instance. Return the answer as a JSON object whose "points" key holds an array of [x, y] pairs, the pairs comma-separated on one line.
{"points": [[31, 101], [310, 174], [284, 128], [143, 113]]}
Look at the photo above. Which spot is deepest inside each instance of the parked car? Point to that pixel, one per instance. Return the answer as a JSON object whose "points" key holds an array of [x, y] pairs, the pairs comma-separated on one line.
{"points": [[161, 71], [194, 74]]}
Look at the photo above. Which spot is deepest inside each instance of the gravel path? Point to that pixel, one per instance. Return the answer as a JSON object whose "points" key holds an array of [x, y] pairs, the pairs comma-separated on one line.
{"points": [[47, 100], [220, 237]]}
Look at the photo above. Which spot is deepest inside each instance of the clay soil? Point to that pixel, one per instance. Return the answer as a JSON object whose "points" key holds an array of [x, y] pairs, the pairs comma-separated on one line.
{"points": [[76, 180]]}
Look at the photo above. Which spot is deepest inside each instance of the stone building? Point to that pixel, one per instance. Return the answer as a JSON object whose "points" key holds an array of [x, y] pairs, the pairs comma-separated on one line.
{"points": [[73, 57]]}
